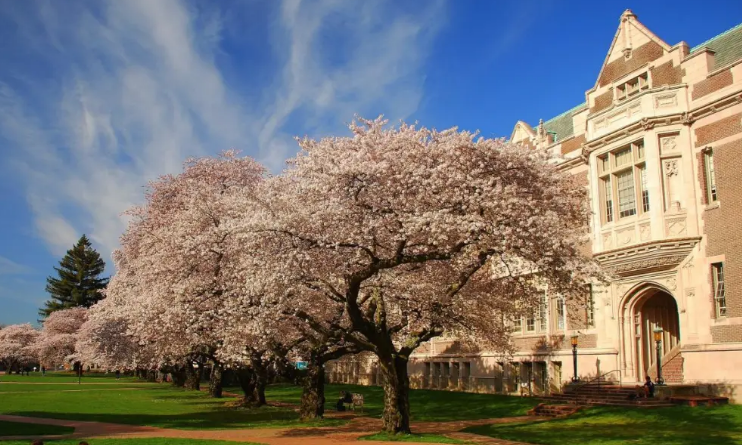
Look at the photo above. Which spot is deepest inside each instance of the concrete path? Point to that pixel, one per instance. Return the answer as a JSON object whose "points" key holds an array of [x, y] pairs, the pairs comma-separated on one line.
{"points": [[337, 435]]}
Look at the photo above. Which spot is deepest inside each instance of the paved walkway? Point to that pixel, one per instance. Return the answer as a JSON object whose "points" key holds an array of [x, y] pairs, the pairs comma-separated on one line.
{"points": [[337, 435]]}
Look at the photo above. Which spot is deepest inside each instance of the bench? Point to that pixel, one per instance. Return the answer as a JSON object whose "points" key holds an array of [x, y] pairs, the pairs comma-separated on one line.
{"points": [[356, 401]]}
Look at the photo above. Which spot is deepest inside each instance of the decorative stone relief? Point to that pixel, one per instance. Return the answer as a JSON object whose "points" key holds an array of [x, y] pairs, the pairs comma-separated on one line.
{"points": [[625, 236], [665, 100], [622, 288], [607, 241], [645, 231], [672, 184], [676, 227], [669, 144], [671, 283], [671, 167], [645, 264]]}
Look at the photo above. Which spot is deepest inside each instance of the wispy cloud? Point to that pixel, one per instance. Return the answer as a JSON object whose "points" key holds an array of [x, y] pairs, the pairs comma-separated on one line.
{"points": [[96, 98], [9, 267]]}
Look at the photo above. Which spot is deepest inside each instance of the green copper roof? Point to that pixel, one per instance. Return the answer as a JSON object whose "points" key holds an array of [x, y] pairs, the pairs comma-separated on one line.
{"points": [[561, 126], [727, 46]]}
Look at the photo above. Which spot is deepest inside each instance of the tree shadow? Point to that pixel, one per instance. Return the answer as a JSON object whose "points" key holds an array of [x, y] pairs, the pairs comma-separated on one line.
{"points": [[672, 426]]}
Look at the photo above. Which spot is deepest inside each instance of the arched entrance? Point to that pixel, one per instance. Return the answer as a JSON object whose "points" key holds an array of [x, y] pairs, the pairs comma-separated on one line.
{"points": [[651, 307]]}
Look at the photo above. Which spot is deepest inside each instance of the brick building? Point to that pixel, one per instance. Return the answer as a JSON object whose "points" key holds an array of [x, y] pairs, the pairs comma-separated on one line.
{"points": [[657, 143]]}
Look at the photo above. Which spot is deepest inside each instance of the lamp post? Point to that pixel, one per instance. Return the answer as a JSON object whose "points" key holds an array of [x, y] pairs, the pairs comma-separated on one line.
{"points": [[658, 340], [575, 379]]}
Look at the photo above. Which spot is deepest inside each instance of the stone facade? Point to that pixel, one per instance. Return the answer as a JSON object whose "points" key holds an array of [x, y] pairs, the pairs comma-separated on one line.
{"points": [[657, 144]]}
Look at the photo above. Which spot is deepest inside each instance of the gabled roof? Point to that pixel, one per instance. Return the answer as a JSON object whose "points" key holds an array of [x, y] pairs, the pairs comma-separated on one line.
{"points": [[628, 23], [524, 127], [727, 46]]}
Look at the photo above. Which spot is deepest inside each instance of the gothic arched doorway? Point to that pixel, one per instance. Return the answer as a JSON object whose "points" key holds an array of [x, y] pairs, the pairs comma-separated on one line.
{"points": [[654, 309]]}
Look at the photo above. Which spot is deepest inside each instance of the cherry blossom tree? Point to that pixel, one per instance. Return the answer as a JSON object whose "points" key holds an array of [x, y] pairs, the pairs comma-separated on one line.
{"points": [[56, 343], [176, 264], [406, 233], [17, 346]]}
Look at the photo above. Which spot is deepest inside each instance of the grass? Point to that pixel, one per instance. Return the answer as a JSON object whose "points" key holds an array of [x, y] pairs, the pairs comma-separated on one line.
{"points": [[418, 438], [158, 405], [137, 441], [613, 426], [66, 377], [32, 429], [425, 405]]}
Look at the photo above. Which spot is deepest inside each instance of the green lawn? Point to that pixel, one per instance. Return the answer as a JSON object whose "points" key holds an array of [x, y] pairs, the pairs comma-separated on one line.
{"points": [[65, 377], [614, 426], [32, 429], [156, 441], [152, 405], [425, 405], [418, 438]]}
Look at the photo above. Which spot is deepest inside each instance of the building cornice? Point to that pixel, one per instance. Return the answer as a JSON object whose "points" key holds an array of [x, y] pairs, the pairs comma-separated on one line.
{"points": [[648, 123], [653, 256]]}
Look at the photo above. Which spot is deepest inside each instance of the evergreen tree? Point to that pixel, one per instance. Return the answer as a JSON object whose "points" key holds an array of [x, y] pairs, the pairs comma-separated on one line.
{"points": [[78, 282]]}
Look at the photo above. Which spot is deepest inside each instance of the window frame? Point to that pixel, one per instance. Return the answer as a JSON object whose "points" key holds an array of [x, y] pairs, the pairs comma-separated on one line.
{"points": [[632, 87], [610, 171], [709, 173], [718, 290]]}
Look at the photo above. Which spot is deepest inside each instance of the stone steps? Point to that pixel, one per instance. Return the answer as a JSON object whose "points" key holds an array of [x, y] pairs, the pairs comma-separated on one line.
{"points": [[555, 411]]}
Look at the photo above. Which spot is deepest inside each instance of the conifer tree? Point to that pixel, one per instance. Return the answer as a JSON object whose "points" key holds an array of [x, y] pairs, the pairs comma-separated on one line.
{"points": [[78, 282]]}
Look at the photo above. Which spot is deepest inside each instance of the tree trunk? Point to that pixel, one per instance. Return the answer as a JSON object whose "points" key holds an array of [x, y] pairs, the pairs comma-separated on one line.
{"points": [[396, 416], [215, 382], [193, 377], [313, 390], [248, 383], [179, 376], [261, 381]]}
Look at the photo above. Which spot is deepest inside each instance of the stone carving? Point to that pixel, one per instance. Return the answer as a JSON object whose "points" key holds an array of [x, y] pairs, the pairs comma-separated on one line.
{"points": [[644, 232], [622, 288], [671, 284], [676, 227], [671, 167], [607, 241], [669, 143], [665, 100], [645, 264], [625, 236]]}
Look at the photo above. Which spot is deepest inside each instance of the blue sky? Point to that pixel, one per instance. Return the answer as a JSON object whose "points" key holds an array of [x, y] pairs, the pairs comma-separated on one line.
{"points": [[98, 97]]}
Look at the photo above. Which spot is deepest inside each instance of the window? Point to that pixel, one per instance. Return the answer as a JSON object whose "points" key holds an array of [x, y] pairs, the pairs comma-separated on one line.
{"points": [[590, 307], [626, 194], [531, 323], [623, 176], [645, 192], [710, 176], [542, 313], [560, 313], [518, 324], [720, 301], [607, 199], [632, 87]]}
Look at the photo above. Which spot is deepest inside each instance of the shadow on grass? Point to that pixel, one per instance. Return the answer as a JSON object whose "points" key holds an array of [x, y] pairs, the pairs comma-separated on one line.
{"points": [[613, 426], [425, 405], [223, 418]]}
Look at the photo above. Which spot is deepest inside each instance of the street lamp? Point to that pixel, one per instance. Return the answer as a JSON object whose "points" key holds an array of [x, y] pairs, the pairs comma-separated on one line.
{"points": [[575, 379], [658, 340]]}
